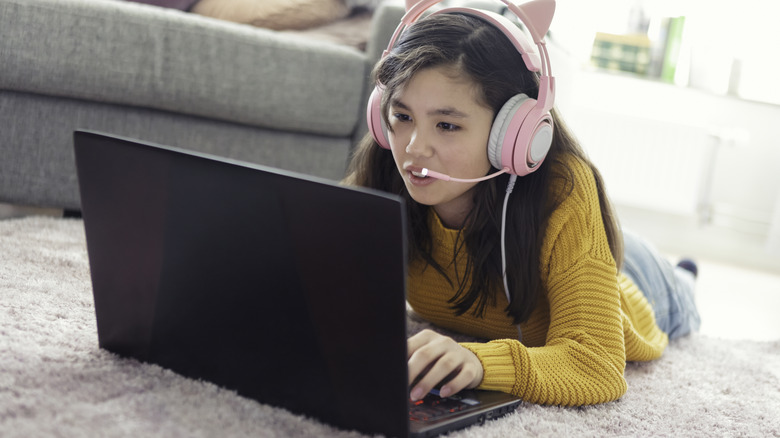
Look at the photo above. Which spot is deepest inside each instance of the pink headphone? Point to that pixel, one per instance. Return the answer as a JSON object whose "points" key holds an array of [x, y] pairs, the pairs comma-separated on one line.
{"points": [[522, 130]]}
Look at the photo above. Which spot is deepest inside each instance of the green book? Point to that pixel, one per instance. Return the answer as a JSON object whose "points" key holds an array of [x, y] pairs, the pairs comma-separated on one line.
{"points": [[673, 43]]}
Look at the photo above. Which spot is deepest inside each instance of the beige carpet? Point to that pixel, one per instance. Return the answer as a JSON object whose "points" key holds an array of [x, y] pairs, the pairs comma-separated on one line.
{"points": [[55, 382]]}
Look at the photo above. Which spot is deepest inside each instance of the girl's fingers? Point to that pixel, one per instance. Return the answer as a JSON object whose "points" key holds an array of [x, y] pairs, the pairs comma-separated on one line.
{"points": [[434, 358]]}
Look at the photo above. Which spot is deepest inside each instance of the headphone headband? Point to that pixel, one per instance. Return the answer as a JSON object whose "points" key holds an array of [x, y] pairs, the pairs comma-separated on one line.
{"points": [[536, 15]]}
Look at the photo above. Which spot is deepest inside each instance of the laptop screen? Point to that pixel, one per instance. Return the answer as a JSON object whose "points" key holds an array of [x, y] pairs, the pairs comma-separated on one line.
{"points": [[285, 288]]}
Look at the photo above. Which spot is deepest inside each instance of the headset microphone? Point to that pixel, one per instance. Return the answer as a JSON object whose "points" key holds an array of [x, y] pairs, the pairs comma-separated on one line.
{"points": [[433, 174]]}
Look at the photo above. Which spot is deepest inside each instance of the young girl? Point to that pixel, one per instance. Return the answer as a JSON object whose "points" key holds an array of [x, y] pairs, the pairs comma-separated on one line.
{"points": [[561, 316]]}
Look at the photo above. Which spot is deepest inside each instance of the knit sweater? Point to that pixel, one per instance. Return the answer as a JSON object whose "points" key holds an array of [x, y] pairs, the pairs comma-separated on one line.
{"points": [[590, 320]]}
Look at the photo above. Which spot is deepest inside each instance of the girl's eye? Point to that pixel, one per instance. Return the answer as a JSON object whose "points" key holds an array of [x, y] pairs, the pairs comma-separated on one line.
{"points": [[402, 117], [444, 126]]}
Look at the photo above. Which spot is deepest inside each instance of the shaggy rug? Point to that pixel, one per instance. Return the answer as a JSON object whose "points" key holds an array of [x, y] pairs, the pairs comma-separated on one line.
{"points": [[55, 381]]}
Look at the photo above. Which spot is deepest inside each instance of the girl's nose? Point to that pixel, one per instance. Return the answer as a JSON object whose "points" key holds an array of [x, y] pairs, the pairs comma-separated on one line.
{"points": [[418, 145]]}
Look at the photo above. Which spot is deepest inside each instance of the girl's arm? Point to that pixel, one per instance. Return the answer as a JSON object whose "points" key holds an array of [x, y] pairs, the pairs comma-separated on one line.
{"points": [[583, 359]]}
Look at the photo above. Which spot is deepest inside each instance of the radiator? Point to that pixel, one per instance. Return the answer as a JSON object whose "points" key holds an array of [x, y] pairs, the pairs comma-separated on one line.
{"points": [[652, 164]]}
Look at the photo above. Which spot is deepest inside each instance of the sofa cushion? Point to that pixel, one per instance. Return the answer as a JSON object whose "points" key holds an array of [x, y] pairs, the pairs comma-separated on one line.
{"points": [[132, 54], [274, 14], [182, 5]]}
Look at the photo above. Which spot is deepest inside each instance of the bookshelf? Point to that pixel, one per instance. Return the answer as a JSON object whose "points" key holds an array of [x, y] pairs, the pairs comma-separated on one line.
{"points": [[710, 46]]}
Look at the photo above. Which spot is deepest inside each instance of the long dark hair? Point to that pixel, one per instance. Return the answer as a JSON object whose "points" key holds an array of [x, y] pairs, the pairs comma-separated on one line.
{"points": [[479, 51]]}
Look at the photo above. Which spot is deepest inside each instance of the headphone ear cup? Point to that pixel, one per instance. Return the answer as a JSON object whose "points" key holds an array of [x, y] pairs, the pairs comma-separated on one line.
{"points": [[540, 142], [519, 139], [376, 123], [501, 143]]}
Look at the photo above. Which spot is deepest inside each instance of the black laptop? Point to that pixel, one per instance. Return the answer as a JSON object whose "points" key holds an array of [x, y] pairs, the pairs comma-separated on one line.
{"points": [[285, 288]]}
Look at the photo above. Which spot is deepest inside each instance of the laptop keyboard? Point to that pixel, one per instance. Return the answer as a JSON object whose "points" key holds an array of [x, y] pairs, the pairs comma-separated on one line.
{"points": [[432, 406]]}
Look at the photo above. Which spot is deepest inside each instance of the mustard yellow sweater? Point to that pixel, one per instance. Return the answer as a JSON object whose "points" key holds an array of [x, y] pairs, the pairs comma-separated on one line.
{"points": [[590, 321]]}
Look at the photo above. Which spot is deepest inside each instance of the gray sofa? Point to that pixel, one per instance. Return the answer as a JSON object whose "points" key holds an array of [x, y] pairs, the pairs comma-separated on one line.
{"points": [[174, 78]]}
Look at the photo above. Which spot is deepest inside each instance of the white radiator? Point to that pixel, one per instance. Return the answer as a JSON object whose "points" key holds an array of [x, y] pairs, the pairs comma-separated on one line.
{"points": [[773, 242], [651, 164]]}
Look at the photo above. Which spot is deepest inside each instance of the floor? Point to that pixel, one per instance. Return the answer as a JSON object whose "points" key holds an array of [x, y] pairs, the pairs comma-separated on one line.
{"points": [[737, 298], [738, 288], [737, 302]]}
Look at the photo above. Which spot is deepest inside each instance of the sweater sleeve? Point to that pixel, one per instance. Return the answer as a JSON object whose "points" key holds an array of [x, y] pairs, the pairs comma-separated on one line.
{"points": [[583, 359]]}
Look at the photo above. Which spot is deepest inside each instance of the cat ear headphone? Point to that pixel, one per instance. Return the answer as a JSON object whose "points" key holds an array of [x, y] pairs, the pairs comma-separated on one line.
{"points": [[522, 130]]}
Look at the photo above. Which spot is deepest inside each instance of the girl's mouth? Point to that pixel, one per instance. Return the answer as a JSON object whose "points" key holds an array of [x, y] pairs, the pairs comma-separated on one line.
{"points": [[419, 176]]}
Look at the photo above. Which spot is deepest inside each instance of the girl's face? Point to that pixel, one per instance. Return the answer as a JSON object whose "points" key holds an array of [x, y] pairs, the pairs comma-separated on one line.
{"points": [[438, 123]]}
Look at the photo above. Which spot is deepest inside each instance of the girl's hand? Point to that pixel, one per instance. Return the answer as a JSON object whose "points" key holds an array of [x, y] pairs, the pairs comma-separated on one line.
{"points": [[434, 358]]}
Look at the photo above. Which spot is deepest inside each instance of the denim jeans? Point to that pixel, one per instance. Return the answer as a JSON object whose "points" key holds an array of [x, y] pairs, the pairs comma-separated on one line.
{"points": [[669, 289]]}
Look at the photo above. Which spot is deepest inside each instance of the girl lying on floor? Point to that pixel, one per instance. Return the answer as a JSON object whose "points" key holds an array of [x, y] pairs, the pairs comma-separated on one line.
{"points": [[523, 247]]}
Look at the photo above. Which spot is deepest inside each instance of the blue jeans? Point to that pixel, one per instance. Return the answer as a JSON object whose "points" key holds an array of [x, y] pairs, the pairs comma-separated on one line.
{"points": [[669, 289]]}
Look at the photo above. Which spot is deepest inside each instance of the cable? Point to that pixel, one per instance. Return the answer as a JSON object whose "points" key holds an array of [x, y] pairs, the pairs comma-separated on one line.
{"points": [[509, 187]]}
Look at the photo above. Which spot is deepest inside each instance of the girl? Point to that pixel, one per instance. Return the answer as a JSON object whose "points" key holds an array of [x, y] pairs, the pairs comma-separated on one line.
{"points": [[561, 317]]}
